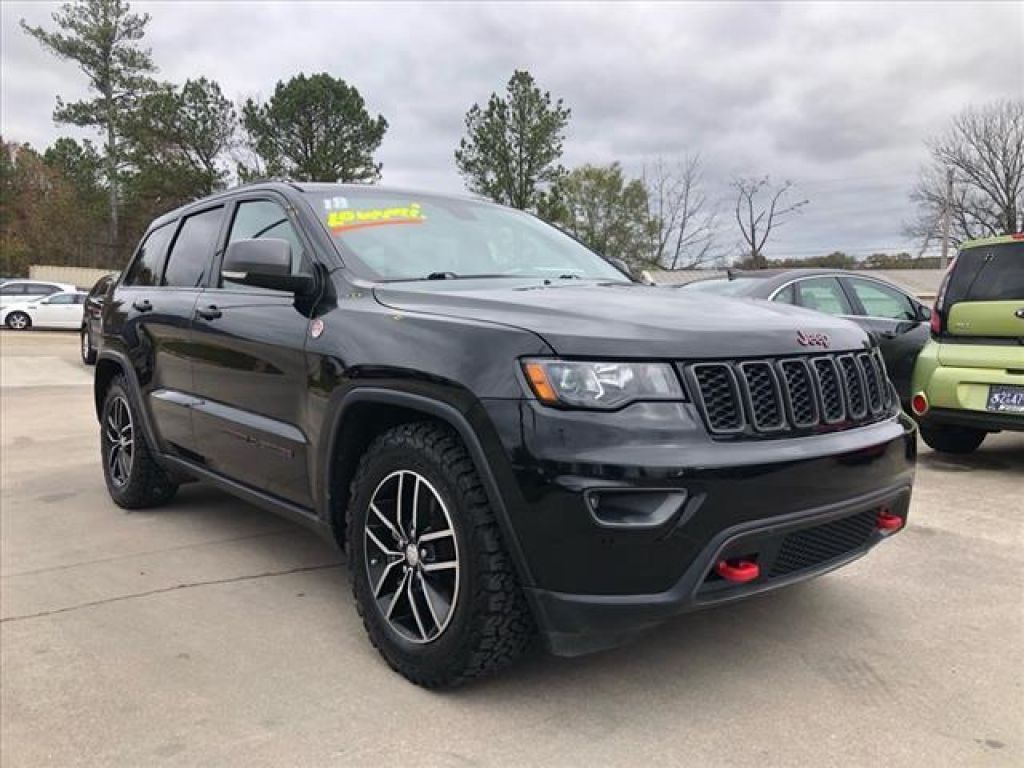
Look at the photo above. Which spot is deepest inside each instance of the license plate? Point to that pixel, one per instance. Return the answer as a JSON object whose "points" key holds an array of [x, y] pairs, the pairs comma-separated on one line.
{"points": [[1006, 399]]}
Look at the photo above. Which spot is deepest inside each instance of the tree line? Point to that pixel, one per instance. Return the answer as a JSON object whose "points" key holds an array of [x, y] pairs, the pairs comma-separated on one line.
{"points": [[160, 145]]}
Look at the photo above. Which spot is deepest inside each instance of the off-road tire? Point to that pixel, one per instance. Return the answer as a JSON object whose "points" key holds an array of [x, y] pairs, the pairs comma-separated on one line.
{"points": [[13, 318], [86, 348], [147, 483], [951, 438], [491, 624]]}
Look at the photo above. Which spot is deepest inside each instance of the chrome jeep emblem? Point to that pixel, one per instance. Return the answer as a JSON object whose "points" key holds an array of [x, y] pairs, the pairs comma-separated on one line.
{"points": [[812, 339]]}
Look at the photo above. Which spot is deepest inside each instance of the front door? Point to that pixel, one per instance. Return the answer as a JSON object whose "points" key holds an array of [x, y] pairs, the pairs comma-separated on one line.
{"points": [[250, 368], [898, 324], [62, 310]]}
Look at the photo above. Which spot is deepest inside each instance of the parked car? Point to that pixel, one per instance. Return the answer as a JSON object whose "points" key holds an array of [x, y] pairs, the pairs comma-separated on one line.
{"points": [[60, 310], [507, 433], [19, 291], [92, 315], [889, 313], [969, 378]]}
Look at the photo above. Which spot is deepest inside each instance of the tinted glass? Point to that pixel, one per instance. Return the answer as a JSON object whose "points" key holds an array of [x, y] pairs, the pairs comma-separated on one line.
{"points": [[881, 300], [62, 298], [17, 289], [42, 289], [992, 273], [823, 294], [256, 219], [413, 237], [79, 298], [149, 261], [787, 295], [192, 251]]}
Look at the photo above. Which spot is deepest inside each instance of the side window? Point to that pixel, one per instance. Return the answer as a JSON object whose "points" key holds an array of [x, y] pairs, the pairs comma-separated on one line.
{"points": [[145, 269], [786, 296], [62, 298], [882, 301], [17, 289], [262, 218], [41, 289], [192, 252], [823, 294], [79, 298]]}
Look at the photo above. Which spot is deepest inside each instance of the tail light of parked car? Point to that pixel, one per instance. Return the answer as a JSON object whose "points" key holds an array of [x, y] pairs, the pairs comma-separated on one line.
{"points": [[937, 321]]}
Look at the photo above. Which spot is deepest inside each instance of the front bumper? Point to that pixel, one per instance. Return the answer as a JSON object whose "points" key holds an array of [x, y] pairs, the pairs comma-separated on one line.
{"points": [[592, 585]]}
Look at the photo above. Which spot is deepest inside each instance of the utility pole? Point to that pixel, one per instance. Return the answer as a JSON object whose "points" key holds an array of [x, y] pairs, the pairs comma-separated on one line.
{"points": [[947, 212]]}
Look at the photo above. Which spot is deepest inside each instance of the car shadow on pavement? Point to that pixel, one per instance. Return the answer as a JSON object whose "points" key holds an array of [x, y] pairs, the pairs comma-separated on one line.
{"points": [[1004, 455]]}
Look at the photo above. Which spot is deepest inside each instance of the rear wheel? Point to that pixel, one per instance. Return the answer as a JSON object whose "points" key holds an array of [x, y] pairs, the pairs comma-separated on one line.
{"points": [[87, 349], [434, 585], [950, 438], [19, 321], [134, 479]]}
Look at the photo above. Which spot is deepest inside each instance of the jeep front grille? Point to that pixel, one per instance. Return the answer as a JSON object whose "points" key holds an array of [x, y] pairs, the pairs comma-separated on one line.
{"points": [[779, 396]]}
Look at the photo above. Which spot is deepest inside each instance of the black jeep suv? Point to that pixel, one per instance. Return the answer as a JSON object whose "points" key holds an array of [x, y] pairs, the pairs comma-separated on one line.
{"points": [[507, 433]]}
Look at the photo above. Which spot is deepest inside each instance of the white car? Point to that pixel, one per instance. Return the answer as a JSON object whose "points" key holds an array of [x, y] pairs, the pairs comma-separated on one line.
{"points": [[19, 291], [61, 310]]}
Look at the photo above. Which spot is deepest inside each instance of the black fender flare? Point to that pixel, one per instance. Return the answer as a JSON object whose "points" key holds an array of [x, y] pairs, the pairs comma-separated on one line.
{"points": [[456, 419], [134, 391]]}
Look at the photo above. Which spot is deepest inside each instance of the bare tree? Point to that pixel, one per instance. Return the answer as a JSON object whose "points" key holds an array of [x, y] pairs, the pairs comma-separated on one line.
{"points": [[985, 148], [682, 224], [760, 209]]}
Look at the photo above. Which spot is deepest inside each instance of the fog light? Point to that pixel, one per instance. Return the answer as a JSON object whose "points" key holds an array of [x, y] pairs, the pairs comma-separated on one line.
{"points": [[919, 404], [634, 508]]}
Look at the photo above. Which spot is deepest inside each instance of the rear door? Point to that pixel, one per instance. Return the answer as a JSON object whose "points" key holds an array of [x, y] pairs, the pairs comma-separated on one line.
{"points": [[61, 310], [155, 304], [985, 295], [896, 320], [250, 369]]}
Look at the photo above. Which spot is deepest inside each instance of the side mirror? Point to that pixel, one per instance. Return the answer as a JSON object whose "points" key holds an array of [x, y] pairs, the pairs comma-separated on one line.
{"points": [[264, 263], [924, 314]]}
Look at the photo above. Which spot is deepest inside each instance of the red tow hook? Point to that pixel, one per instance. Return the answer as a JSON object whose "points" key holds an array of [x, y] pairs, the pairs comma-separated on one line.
{"points": [[737, 571], [888, 522]]}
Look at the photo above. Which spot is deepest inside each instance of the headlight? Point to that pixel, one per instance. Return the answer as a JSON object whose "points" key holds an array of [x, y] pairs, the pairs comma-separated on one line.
{"points": [[605, 386]]}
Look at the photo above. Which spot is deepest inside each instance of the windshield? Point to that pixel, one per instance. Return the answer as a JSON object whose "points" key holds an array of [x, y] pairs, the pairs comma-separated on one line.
{"points": [[738, 286], [415, 237]]}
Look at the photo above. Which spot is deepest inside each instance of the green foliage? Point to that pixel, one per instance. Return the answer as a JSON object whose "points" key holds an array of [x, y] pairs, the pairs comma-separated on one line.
{"points": [[101, 37], [178, 140], [313, 128], [604, 210], [512, 146]]}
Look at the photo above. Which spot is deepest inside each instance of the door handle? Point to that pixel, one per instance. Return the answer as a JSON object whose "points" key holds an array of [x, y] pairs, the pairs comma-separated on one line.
{"points": [[209, 313], [142, 305]]}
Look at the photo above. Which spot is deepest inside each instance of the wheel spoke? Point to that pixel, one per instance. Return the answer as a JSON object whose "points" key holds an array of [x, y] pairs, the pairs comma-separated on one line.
{"points": [[434, 535], [427, 590], [398, 504], [384, 577], [390, 526], [398, 594], [380, 545], [446, 565], [415, 610], [122, 460], [112, 463], [415, 504]]}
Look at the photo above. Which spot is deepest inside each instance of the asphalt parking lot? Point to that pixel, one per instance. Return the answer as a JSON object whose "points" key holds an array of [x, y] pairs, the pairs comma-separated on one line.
{"points": [[212, 633]]}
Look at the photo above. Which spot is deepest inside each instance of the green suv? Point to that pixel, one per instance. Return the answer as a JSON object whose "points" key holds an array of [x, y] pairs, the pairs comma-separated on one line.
{"points": [[969, 378]]}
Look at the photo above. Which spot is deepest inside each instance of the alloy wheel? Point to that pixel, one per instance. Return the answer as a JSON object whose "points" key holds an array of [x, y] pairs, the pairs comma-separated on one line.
{"points": [[120, 437], [86, 345], [412, 556], [18, 321]]}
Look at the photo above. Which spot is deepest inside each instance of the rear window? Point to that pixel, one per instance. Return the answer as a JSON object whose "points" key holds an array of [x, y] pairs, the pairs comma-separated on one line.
{"points": [[149, 261], [987, 273]]}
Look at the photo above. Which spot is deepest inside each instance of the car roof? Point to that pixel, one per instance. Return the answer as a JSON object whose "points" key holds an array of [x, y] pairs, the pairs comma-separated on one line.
{"points": [[287, 187], [1001, 240]]}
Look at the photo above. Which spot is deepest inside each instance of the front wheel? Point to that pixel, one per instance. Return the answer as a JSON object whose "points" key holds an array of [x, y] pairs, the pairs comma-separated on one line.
{"points": [[950, 438], [436, 589], [87, 349], [19, 321], [134, 479]]}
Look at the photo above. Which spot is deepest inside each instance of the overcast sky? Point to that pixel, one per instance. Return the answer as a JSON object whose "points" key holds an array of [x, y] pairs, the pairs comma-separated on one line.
{"points": [[838, 98]]}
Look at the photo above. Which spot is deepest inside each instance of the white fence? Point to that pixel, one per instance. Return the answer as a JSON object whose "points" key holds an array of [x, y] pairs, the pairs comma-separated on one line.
{"points": [[81, 277]]}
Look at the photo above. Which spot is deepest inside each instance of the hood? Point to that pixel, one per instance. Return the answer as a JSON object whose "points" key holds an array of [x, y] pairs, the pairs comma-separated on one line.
{"points": [[628, 320]]}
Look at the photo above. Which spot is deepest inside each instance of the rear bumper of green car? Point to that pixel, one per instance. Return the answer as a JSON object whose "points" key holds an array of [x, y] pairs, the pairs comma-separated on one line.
{"points": [[955, 379]]}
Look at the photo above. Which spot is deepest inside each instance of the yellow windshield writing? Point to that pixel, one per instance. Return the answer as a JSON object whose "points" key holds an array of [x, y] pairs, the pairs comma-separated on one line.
{"points": [[374, 217]]}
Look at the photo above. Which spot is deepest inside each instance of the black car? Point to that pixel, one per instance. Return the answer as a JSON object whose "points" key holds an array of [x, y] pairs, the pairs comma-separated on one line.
{"points": [[507, 433], [894, 317], [92, 317]]}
